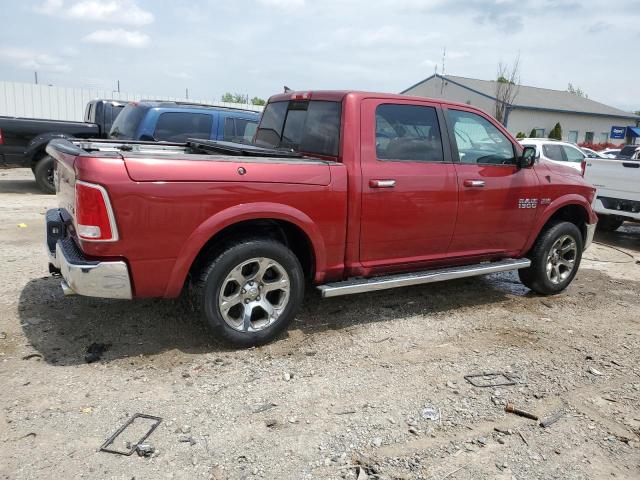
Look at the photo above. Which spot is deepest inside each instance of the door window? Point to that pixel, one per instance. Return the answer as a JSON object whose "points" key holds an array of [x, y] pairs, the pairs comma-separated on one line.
{"points": [[239, 130], [553, 152], [573, 136], [588, 137], [479, 141], [178, 126], [408, 133], [573, 154]]}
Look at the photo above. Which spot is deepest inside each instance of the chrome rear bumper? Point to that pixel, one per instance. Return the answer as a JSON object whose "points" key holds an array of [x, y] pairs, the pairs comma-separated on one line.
{"points": [[108, 279]]}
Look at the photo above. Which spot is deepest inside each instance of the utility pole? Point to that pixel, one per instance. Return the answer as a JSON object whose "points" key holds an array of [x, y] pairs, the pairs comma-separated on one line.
{"points": [[444, 53], [118, 81], [36, 75], [186, 93]]}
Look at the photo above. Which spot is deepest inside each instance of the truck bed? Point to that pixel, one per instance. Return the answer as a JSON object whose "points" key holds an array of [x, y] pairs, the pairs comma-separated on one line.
{"points": [[618, 186]]}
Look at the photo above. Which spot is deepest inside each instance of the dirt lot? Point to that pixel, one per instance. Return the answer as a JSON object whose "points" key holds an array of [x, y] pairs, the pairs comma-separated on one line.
{"points": [[369, 386]]}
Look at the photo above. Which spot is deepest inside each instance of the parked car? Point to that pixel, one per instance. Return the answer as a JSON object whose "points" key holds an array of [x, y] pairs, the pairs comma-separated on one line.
{"points": [[629, 152], [562, 153], [610, 152], [349, 191], [177, 121], [592, 153], [23, 140], [618, 191]]}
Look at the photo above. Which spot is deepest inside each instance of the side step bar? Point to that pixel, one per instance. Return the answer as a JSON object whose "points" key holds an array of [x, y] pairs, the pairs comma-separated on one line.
{"points": [[349, 287]]}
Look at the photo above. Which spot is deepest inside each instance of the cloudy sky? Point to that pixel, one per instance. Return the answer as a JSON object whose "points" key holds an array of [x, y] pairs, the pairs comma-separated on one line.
{"points": [[255, 47]]}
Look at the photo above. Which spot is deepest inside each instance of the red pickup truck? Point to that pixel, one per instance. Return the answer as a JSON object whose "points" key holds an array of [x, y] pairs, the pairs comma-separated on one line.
{"points": [[348, 191]]}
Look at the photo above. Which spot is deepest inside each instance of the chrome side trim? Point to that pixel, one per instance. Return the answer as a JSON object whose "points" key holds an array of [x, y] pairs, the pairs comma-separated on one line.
{"points": [[101, 279], [430, 276], [591, 230]]}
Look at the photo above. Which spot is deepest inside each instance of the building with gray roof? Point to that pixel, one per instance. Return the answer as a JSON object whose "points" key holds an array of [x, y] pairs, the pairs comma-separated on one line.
{"points": [[537, 109]]}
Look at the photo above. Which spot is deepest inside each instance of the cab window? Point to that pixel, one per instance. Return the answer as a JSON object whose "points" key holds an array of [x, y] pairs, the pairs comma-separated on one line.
{"points": [[479, 141], [553, 152], [408, 133]]}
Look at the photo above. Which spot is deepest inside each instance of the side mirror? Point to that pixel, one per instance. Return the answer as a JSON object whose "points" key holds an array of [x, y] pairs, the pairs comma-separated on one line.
{"points": [[528, 157]]}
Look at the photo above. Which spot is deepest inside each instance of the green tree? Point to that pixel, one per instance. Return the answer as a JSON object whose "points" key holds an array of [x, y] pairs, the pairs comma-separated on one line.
{"points": [[556, 132], [258, 101], [520, 135], [229, 97], [576, 91], [533, 133]]}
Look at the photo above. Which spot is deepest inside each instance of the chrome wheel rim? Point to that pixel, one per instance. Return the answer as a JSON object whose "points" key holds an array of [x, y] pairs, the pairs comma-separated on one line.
{"points": [[254, 294], [561, 260]]}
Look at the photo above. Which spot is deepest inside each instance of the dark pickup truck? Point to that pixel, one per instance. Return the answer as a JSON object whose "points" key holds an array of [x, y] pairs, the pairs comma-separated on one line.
{"points": [[23, 140]]}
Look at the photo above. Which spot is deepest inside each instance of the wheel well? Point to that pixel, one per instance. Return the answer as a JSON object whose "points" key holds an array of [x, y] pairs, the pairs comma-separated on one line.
{"points": [[282, 231], [37, 156], [575, 214]]}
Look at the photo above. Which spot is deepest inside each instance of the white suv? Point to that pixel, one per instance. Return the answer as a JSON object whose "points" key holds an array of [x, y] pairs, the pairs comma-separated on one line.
{"points": [[555, 151]]}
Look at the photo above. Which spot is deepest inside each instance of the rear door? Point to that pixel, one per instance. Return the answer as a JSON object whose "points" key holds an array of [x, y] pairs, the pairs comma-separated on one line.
{"points": [[409, 192], [497, 200]]}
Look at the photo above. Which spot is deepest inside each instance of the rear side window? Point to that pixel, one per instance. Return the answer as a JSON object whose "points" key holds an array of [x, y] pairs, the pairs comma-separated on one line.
{"points": [[305, 126], [554, 152], [239, 130], [126, 124], [573, 154], [178, 126], [408, 133]]}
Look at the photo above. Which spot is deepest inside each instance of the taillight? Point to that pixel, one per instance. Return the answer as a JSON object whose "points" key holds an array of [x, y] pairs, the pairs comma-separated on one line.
{"points": [[1, 138], [94, 217], [583, 166]]}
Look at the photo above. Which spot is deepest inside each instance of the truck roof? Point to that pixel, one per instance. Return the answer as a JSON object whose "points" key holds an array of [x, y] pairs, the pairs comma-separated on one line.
{"points": [[338, 96], [177, 104]]}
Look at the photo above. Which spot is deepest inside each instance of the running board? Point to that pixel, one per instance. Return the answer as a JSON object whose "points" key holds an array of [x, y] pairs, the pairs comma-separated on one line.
{"points": [[349, 287]]}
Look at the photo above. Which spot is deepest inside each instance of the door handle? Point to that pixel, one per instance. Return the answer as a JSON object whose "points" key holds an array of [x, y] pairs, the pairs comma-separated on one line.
{"points": [[474, 183], [382, 183]]}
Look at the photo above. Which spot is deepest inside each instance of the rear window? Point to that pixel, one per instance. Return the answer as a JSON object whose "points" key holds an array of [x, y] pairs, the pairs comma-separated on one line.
{"points": [[126, 124], [305, 126], [239, 130], [554, 152], [178, 126], [628, 151]]}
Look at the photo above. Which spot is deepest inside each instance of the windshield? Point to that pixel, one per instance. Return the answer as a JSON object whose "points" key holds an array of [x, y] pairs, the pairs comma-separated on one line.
{"points": [[304, 126], [126, 124]]}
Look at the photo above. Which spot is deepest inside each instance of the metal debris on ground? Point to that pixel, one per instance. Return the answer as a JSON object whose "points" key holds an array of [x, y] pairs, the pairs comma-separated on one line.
{"points": [[109, 441], [95, 351], [595, 371], [510, 408], [547, 422], [186, 439], [493, 379], [144, 449], [431, 413]]}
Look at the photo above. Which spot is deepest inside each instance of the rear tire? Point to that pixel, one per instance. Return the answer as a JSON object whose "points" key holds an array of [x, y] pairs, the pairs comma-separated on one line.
{"points": [[43, 171], [609, 223], [250, 292], [555, 259]]}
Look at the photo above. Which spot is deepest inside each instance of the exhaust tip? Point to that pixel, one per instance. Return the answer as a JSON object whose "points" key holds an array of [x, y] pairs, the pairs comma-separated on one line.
{"points": [[66, 289]]}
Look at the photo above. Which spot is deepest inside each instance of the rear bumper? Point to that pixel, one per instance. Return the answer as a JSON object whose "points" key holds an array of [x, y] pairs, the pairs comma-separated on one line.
{"points": [[92, 278], [622, 208]]}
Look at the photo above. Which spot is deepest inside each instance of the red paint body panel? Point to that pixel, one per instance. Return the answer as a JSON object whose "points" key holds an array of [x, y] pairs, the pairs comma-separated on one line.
{"points": [[200, 168], [169, 206]]}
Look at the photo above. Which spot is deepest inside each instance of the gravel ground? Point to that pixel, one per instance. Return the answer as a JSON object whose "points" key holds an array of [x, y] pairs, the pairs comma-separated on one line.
{"points": [[369, 386]]}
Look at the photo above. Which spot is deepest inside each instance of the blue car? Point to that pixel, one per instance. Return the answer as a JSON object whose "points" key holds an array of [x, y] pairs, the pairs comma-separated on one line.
{"points": [[177, 121]]}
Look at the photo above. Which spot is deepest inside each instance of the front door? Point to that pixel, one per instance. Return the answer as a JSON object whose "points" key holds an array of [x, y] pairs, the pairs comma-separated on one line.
{"points": [[409, 192], [498, 200]]}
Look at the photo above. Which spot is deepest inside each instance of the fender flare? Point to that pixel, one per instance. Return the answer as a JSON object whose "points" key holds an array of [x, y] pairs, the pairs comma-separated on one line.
{"points": [[552, 208], [236, 214], [39, 143]]}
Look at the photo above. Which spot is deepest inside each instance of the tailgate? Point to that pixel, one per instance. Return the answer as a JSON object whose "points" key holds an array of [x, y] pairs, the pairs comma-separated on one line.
{"points": [[228, 169], [614, 178]]}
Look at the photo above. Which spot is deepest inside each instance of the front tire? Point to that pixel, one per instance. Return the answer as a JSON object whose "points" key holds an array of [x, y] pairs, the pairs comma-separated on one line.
{"points": [[249, 293], [555, 259], [43, 171], [609, 223]]}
